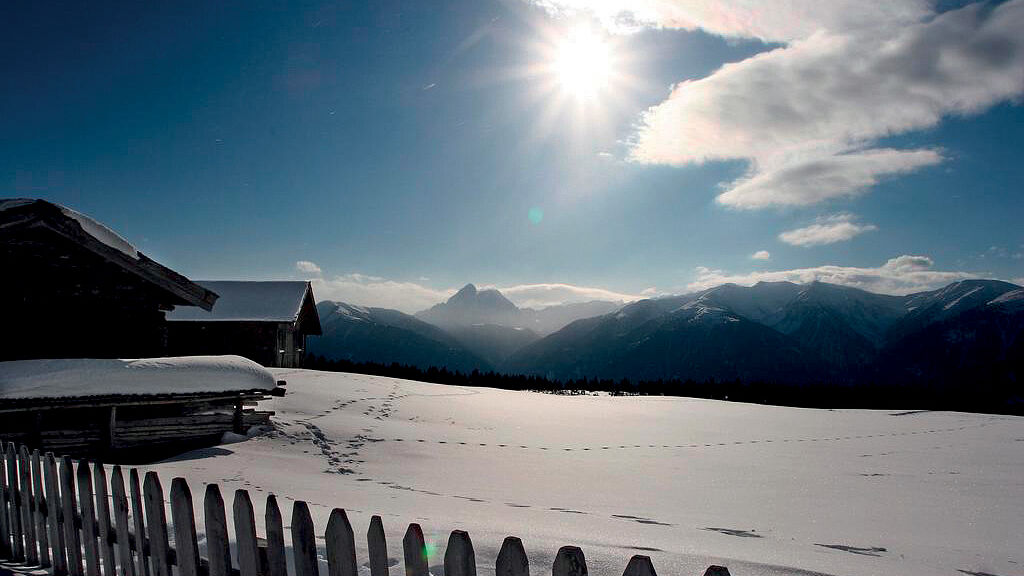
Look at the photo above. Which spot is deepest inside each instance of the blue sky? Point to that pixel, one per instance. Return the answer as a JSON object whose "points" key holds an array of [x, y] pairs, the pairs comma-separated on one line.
{"points": [[399, 149]]}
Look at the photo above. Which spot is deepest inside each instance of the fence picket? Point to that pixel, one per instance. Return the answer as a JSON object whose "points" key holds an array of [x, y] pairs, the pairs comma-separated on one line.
{"points": [[14, 505], [415, 552], [714, 570], [341, 545], [69, 507], [569, 562], [88, 509], [639, 566], [245, 535], [55, 515], [141, 545], [217, 546], [303, 541], [377, 545], [99, 477], [120, 504], [459, 558], [183, 518], [28, 515], [512, 560], [153, 498], [40, 508], [277, 565], [5, 528]]}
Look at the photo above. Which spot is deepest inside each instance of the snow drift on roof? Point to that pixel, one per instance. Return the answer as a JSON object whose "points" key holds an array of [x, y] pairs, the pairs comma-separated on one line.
{"points": [[78, 377], [278, 301], [91, 227]]}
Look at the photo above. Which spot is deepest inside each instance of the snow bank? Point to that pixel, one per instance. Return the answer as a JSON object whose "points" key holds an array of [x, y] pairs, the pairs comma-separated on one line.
{"points": [[67, 378]]}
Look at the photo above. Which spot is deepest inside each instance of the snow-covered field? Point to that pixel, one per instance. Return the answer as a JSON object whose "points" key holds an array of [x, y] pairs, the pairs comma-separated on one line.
{"points": [[761, 489]]}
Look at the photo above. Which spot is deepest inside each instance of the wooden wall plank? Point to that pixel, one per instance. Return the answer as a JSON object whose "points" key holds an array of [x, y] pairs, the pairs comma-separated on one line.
{"points": [[245, 535], [217, 543], [156, 525], [341, 545], [512, 559], [183, 517], [377, 544], [125, 561], [277, 564], [569, 562], [139, 519], [303, 541], [55, 515], [640, 566], [14, 504], [40, 509], [28, 516], [69, 508], [459, 558], [415, 552], [88, 509]]}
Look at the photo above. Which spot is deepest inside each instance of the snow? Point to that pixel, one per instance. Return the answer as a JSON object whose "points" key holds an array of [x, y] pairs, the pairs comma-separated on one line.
{"points": [[240, 301], [83, 377], [962, 296], [763, 490]]}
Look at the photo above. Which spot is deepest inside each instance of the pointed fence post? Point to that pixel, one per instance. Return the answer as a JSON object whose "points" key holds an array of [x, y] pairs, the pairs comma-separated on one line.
{"points": [[55, 515], [92, 551], [459, 558], [639, 566], [569, 562], [217, 546], [69, 507], [121, 526], [99, 477], [183, 518], [714, 570], [141, 546], [277, 565], [341, 545], [5, 508], [40, 507], [415, 552], [303, 541], [245, 535], [14, 504], [28, 516], [512, 560], [153, 496], [377, 546]]}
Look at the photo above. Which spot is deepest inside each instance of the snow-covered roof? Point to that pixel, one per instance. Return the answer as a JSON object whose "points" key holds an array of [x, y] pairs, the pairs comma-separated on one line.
{"points": [[244, 301], [84, 377], [91, 227]]}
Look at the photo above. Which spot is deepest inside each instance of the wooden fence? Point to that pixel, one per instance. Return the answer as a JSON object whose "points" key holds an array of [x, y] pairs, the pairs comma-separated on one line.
{"points": [[64, 515]]}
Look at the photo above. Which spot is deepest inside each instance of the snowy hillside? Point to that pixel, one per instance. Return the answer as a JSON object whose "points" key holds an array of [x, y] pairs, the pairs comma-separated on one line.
{"points": [[764, 490]]}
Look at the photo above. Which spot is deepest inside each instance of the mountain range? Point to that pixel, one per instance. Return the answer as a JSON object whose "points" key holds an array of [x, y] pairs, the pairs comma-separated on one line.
{"points": [[771, 331]]}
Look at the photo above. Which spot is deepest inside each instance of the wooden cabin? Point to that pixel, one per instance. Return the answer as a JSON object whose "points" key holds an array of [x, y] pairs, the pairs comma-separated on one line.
{"points": [[267, 322], [73, 288]]}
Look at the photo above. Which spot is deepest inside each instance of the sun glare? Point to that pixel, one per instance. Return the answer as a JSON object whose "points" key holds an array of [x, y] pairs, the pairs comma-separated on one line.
{"points": [[583, 63]]}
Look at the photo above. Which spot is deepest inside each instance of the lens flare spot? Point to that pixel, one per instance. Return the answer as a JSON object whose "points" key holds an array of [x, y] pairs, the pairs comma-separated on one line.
{"points": [[535, 215]]}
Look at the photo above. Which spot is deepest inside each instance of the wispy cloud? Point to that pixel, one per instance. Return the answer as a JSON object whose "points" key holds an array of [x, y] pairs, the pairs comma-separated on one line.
{"points": [[307, 267], [827, 230], [761, 255], [806, 115], [901, 275]]}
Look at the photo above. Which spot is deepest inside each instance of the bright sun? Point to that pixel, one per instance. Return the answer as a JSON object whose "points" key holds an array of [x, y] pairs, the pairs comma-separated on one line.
{"points": [[583, 63]]}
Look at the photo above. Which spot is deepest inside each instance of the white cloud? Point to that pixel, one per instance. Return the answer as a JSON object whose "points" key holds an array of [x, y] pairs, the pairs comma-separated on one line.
{"points": [[307, 267], [901, 275], [1018, 281], [411, 297], [543, 295], [828, 230], [779, 20], [761, 255], [806, 115]]}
